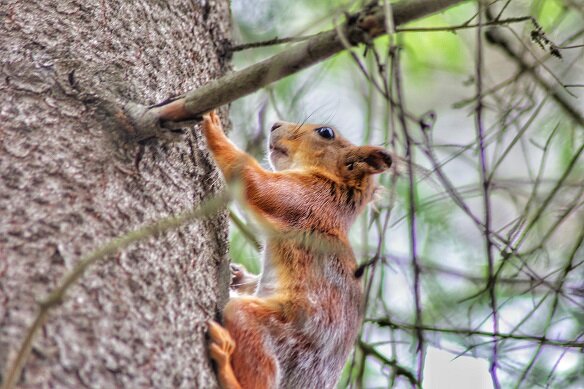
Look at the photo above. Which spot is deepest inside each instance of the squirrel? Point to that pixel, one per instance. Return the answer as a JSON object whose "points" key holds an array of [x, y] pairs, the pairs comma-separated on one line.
{"points": [[296, 325]]}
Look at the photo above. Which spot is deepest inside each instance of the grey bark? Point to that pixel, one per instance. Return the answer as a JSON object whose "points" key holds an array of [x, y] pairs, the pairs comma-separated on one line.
{"points": [[69, 183]]}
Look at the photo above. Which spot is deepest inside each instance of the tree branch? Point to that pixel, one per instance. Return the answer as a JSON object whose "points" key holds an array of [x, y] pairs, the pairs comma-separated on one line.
{"points": [[399, 370], [566, 343], [359, 28], [495, 37]]}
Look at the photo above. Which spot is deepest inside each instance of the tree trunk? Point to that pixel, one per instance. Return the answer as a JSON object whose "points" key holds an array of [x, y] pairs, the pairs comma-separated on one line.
{"points": [[69, 183]]}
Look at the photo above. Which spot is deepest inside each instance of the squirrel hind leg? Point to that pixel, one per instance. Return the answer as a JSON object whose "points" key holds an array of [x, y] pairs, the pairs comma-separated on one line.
{"points": [[254, 360], [221, 347]]}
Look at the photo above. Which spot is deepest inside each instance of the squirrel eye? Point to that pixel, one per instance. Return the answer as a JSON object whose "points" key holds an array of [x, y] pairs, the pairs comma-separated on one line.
{"points": [[325, 132]]}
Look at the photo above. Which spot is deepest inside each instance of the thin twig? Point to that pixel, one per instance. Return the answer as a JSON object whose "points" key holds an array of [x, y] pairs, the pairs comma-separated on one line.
{"points": [[411, 221], [497, 38], [270, 42], [567, 269], [467, 332], [464, 26], [491, 285], [399, 370], [245, 231]]}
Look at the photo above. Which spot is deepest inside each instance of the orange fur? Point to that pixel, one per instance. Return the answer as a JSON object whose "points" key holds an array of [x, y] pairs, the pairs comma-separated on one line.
{"points": [[299, 325]]}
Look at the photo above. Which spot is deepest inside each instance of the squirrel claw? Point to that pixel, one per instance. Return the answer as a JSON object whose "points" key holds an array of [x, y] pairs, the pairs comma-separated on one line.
{"points": [[242, 281], [237, 273], [211, 119], [222, 345]]}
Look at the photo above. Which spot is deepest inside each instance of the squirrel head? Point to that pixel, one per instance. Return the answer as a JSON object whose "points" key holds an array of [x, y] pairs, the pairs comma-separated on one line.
{"points": [[320, 147]]}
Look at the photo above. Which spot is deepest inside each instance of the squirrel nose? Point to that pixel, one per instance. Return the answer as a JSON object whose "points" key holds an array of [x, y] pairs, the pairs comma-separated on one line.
{"points": [[276, 125]]}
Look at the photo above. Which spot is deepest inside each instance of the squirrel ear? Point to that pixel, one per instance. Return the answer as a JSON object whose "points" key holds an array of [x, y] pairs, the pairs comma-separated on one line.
{"points": [[378, 159], [367, 160]]}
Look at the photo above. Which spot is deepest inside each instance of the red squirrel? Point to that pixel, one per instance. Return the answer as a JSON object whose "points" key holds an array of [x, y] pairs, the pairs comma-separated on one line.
{"points": [[297, 327]]}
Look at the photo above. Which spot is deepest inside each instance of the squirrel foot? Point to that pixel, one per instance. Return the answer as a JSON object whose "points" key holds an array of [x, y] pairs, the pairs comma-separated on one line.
{"points": [[221, 347]]}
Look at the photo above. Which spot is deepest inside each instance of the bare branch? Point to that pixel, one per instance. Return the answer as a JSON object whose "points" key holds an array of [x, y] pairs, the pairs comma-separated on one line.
{"points": [[462, 331], [486, 187], [359, 28], [269, 42], [496, 37]]}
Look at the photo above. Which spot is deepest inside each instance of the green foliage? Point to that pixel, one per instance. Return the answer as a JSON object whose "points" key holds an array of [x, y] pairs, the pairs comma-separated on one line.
{"points": [[547, 12], [242, 251]]}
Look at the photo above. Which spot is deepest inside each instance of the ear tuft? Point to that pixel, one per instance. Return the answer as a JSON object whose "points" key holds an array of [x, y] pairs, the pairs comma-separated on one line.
{"points": [[378, 159], [367, 160]]}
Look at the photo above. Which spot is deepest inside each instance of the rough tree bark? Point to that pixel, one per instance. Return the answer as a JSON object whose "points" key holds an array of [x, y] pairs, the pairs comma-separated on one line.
{"points": [[69, 182]]}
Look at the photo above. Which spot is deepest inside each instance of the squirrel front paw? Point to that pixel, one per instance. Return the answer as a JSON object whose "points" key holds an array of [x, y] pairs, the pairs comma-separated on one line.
{"points": [[242, 281], [212, 122]]}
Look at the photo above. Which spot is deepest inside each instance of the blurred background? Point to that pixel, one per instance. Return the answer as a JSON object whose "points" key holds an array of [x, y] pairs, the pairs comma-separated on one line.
{"points": [[475, 239]]}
